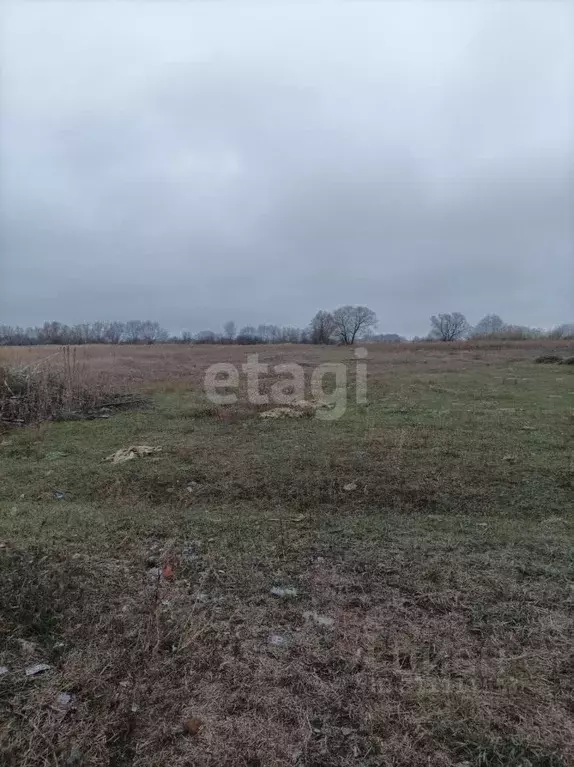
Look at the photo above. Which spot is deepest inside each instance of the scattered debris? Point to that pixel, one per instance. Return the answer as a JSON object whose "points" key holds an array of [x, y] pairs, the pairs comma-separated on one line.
{"points": [[350, 486], [4, 670], [125, 401], [282, 412], [284, 591], [192, 726], [320, 620], [64, 699], [193, 486], [509, 458], [154, 572], [548, 359], [38, 668], [134, 451], [277, 640], [58, 495], [54, 455], [189, 552], [298, 409], [313, 405], [529, 428], [27, 647], [168, 572]]}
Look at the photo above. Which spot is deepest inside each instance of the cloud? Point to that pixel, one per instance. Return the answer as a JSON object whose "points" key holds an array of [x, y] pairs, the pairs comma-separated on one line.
{"points": [[193, 163]]}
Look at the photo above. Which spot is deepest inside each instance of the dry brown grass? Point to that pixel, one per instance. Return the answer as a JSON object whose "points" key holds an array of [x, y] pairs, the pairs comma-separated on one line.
{"points": [[169, 363], [55, 386], [446, 571]]}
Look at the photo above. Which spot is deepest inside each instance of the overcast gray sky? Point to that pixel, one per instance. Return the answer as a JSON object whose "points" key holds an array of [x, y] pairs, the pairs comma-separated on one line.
{"points": [[198, 162]]}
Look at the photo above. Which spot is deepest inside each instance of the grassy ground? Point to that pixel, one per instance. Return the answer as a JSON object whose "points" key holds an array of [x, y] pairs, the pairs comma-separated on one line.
{"points": [[426, 537]]}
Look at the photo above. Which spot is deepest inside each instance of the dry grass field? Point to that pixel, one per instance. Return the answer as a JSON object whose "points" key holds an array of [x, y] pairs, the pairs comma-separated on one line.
{"points": [[393, 588]]}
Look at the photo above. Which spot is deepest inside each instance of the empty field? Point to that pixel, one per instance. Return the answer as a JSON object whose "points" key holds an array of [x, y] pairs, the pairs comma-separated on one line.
{"points": [[390, 588]]}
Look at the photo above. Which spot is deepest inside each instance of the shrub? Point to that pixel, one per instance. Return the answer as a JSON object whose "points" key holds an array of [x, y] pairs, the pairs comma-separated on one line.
{"points": [[47, 391]]}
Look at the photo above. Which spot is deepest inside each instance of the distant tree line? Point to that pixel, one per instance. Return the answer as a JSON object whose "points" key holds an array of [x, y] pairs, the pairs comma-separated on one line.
{"points": [[101, 332], [344, 325], [455, 327]]}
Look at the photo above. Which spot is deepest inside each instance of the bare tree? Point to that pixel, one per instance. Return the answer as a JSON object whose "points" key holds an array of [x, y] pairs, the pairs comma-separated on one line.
{"points": [[290, 335], [151, 332], [206, 337], [265, 333], [564, 331], [229, 331], [449, 327], [322, 327], [352, 321], [489, 324], [274, 333], [132, 331], [247, 335], [114, 332]]}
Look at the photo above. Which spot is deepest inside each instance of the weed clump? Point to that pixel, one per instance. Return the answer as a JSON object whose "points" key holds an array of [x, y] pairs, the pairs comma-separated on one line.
{"points": [[52, 390]]}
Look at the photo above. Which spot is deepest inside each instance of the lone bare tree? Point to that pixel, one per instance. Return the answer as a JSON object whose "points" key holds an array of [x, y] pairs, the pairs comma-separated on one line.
{"points": [[352, 321], [449, 327], [322, 327], [229, 331], [489, 324]]}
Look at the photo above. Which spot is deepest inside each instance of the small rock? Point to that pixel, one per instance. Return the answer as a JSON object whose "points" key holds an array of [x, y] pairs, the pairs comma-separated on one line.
{"points": [[320, 620], [350, 486], [64, 699], [4, 670], [154, 572], [75, 757], [27, 647], [284, 591], [192, 726], [202, 597], [509, 458], [346, 731], [58, 495], [277, 640], [38, 668]]}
